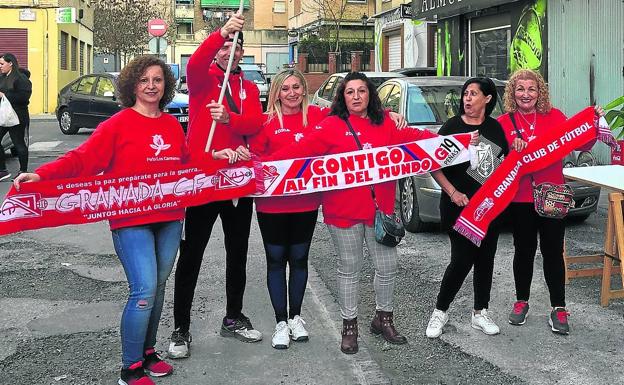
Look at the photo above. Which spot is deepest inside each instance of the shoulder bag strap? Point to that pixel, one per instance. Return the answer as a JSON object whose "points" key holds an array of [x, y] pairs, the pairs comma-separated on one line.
{"points": [[357, 140], [513, 121]]}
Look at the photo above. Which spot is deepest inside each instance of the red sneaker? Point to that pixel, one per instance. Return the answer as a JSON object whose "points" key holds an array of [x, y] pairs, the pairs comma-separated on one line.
{"points": [[134, 375], [154, 365]]}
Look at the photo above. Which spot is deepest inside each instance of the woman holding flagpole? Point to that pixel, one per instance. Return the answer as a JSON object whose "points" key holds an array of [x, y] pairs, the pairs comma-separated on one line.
{"points": [[459, 183], [528, 100], [139, 139], [349, 213]]}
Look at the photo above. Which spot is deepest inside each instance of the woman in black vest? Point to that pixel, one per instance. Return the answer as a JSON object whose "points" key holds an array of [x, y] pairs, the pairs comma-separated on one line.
{"points": [[17, 88]]}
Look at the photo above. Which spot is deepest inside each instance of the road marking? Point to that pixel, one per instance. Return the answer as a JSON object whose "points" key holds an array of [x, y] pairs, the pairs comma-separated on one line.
{"points": [[44, 146]]}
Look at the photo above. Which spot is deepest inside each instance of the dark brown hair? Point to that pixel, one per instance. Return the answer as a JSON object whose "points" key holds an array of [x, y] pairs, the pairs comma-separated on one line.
{"points": [[131, 74]]}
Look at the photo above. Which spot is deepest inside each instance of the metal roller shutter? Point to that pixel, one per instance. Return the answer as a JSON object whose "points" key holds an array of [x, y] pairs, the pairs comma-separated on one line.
{"points": [[394, 52], [15, 41]]}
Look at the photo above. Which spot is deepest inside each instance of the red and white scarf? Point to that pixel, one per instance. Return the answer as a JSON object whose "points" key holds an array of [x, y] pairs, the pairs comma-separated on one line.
{"points": [[500, 188], [90, 199]]}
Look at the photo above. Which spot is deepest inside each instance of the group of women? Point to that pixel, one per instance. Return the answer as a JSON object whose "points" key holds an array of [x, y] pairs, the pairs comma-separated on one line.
{"points": [[147, 244]]}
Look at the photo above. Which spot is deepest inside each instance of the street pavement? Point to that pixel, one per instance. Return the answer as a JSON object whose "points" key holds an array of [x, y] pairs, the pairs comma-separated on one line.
{"points": [[590, 355]]}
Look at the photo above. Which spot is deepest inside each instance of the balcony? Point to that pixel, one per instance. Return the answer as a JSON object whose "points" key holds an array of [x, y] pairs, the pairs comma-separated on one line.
{"points": [[185, 36], [223, 4], [184, 11]]}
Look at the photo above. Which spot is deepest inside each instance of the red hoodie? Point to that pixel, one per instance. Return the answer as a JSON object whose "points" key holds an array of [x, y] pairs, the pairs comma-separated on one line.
{"points": [[204, 79], [348, 207], [126, 143], [552, 173], [273, 137]]}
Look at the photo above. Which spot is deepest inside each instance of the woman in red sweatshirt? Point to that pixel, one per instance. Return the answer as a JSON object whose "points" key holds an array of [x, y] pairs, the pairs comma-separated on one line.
{"points": [[349, 213], [138, 139], [527, 98]]}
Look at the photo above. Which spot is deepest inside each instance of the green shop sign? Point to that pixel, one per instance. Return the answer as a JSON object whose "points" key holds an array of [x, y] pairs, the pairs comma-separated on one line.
{"points": [[65, 15]]}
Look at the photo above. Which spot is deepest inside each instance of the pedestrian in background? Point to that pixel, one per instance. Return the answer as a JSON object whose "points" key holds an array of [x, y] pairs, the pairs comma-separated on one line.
{"points": [[287, 223], [528, 99], [349, 213], [241, 116], [17, 88], [145, 244], [459, 183]]}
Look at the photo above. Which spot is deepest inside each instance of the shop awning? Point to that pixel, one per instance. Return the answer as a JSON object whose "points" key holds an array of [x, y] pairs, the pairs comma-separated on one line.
{"points": [[435, 9], [223, 3]]}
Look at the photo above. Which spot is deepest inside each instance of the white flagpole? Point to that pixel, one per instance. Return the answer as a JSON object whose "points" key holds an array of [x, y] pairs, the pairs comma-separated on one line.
{"points": [[225, 80]]}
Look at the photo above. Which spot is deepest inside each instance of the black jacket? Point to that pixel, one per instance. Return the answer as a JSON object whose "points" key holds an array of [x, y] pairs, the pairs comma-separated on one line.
{"points": [[17, 88]]}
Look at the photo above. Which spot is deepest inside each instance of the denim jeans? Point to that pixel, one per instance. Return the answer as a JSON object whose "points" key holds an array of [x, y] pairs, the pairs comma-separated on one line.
{"points": [[147, 254]]}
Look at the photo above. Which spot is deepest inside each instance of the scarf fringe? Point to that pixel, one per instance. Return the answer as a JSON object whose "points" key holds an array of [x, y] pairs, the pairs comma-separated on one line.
{"points": [[466, 232]]}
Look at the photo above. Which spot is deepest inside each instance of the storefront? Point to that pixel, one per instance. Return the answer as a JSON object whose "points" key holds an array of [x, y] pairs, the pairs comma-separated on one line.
{"points": [[487, 37], [401, 41]]}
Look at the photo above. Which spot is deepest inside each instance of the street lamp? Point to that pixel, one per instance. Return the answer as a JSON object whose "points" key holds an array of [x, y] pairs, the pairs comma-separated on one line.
{"points": [[364, 23]]}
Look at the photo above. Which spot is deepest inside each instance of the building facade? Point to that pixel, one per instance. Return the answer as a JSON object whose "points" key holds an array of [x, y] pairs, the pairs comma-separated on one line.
{"points": [[56, 49]]}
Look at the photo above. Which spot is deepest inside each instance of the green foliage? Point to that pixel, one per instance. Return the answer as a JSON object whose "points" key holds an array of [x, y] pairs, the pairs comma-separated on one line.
{"points": [[317, 49], [615, 116]]}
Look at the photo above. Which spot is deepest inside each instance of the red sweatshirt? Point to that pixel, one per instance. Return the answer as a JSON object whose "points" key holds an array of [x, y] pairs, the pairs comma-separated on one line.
{"points": [[126, 143], [273, 137], [348, 207], [204, 79], [552, 173]]}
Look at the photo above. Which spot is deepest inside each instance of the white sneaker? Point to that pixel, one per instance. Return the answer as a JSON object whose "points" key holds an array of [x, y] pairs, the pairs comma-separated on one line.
{"points": [[483, 322], [179, 345], [281, 336], [436, 323], [297, 330]]}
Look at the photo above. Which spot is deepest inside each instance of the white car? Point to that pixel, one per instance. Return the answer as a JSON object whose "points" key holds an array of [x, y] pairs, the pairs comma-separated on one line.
{"points": [[325, 94], [254, 73]]}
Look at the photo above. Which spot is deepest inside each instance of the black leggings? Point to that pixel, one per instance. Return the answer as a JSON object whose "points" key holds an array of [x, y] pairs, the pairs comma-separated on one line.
{"points": [[17, 137], [526, 227], [465, 255], [236, 222], [287, 239]]}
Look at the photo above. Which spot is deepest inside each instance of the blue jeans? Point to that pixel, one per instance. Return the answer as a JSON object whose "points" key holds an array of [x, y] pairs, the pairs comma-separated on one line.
{"points": [[147, 254]]}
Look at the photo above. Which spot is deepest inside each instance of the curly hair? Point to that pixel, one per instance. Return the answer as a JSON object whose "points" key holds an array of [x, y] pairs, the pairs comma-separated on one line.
{"points": [[274, 108], [486, 85], [131, 74], [374, 109], [543, 105]]}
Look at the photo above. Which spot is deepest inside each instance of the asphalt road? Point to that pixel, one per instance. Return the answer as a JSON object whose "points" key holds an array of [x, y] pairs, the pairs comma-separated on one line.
{"points": [[61, 293]]}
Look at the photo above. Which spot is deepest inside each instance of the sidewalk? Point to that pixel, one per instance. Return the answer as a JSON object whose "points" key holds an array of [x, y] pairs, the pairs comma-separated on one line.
{"points": [[218, 360], [43, 117]]}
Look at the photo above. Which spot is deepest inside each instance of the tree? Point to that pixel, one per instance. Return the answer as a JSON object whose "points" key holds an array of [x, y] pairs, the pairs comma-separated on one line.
{"points": [[330, 10], [120, 26]]}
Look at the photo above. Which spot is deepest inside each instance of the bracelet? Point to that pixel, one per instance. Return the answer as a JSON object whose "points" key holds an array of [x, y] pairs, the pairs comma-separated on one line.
{"points": [[453, 193]]}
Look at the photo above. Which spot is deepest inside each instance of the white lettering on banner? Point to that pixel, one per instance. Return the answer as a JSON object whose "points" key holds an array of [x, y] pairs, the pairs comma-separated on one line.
{"points": [[86, 200], [569, 136], [507, 181]]}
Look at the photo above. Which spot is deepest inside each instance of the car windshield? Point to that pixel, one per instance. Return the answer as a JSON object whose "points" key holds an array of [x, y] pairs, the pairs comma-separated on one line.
{"points": [[435, 104], [254, 76], [377, 81]]}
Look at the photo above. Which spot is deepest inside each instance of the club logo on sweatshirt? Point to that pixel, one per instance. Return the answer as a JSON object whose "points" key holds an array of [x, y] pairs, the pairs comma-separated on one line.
{"points": [[159, 144]]}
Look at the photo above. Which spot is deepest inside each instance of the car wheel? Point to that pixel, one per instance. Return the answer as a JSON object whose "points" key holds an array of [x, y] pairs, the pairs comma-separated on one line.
{"points": [[66, 123], [408, 206]]}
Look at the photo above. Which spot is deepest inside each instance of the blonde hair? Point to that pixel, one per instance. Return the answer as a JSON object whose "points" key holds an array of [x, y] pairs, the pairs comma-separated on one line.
{"points": [[543, 105], [274, 108]]}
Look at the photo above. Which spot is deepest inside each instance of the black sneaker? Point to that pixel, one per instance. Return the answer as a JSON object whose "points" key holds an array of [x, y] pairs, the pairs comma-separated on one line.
{"points": [[4, 174], [241, 329], [180, 344], [558, 321], [134, 375]]}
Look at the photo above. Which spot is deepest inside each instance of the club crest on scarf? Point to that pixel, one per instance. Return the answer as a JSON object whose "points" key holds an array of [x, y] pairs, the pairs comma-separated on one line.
{"points": [[232, 177], [22, 206]]}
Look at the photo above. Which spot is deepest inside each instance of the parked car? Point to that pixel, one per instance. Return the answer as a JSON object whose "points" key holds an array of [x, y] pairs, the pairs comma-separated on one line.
{"points": [[428, 102], [325, 94], [253, 72], [91, 99]]}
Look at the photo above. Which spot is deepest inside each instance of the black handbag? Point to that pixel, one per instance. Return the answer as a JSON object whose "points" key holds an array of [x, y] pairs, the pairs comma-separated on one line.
{"points": [[389, 229], [549, 199]]}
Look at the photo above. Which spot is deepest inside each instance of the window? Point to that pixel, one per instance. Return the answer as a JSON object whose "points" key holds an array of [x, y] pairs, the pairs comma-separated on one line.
{"points": [[279, 6], [82, 58], [384, 91], [89, 58], [64, 37], [489, 42], [104, 85], [74, 54], [394, 99], [357, 1], [86, 85], [326, 89]]}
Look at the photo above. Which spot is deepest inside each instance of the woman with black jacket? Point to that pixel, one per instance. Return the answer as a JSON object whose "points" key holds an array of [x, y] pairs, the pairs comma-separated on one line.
{"points": [[17, 88]]}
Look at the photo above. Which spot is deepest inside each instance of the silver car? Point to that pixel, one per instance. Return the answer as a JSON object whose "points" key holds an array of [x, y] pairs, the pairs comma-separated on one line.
{"points": [[428, 102], [325, 94]]}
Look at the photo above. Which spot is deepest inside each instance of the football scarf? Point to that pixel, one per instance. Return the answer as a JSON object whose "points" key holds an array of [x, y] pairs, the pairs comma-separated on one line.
{"points": [[500, 188]]}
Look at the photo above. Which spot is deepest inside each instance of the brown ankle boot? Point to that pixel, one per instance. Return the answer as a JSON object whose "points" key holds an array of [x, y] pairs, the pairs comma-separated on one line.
{"points": [[384, 325], [349, 344]]}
